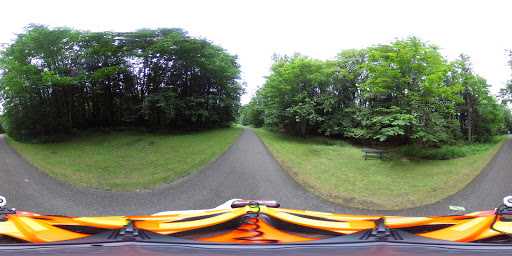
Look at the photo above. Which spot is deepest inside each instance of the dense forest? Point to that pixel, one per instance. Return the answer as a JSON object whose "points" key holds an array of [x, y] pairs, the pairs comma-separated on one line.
{"points": [[56, 80], [404, 92]]}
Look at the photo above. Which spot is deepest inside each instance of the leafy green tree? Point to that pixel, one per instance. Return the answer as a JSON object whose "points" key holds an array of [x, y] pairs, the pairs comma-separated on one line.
{"points": [[506, 93], [291, 92], [338, 101], [474, 87], [29, 108], [480, 116], [242, 117], [256, 111], [1, 125], [406, 91], [55, 80], [489, 119], [507, 116]]}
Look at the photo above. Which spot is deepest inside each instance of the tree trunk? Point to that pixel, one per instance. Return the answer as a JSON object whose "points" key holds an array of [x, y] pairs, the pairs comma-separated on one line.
{"points": [[469, 117]]}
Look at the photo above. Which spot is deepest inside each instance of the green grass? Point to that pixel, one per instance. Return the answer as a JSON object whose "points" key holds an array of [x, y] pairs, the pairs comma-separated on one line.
{"points": [[128, 160], [340, 174], [447, 152]]}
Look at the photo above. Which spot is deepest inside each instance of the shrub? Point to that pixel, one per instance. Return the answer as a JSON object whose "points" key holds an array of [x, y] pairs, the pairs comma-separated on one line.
{"points": [[448, 151]]}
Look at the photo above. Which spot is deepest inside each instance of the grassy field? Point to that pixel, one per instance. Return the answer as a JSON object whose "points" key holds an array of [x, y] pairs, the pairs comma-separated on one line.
{"points": [[340, 174], [128, 160]]}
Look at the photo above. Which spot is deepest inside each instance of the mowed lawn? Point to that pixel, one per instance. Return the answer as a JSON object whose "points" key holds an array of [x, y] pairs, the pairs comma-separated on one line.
{"points": [[128, 160], [341, 175]]}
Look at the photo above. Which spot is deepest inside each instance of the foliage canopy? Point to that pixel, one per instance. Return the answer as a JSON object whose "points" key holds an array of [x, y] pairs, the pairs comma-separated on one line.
{"points": [[55, 80], [401, 93]]}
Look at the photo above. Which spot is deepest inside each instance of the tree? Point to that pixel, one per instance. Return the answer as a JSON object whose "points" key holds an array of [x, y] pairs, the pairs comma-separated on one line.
{"points": [[507, 116], [480, 116], [506, 93], [400, 93], [291, 92], [338, 100], [406, 91], [473, 87], [55, 80], [29, 108], [1, 125], [190, 83], [254, 111]]}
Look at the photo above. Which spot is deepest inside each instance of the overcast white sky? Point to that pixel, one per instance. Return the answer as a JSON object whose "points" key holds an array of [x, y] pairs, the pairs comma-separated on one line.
{"points": [[254, 30]]}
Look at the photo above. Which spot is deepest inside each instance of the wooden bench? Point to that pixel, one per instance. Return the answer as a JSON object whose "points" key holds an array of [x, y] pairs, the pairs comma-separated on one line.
{"points": [[377, 153]]}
